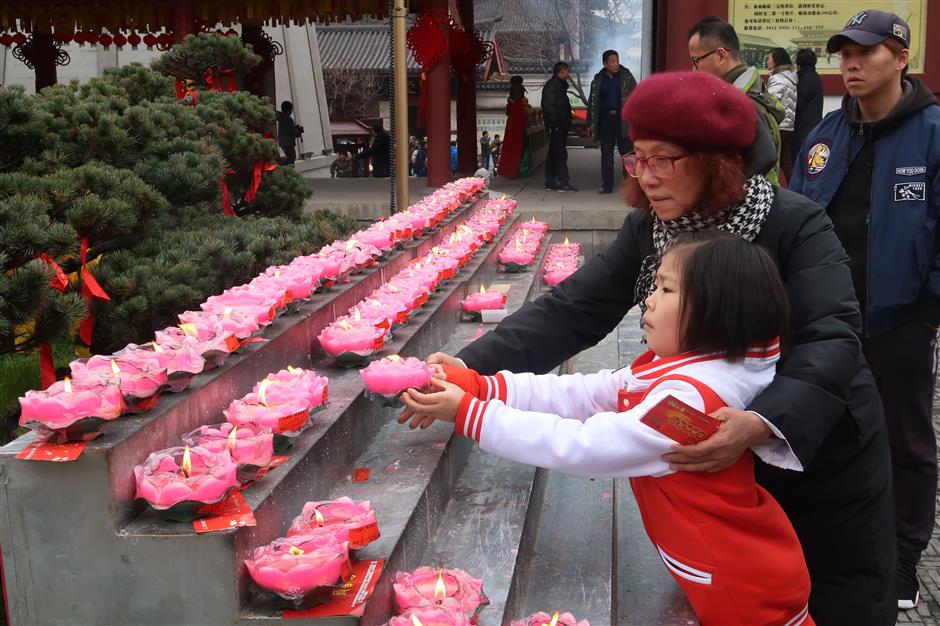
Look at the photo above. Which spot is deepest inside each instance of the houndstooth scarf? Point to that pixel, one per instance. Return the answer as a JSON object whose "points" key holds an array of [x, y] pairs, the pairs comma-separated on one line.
{"points": [[745, 220]]}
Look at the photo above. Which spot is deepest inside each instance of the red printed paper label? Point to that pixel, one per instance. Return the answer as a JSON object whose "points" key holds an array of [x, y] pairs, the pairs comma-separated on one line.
{"points": [[290, 423], [401, 317], [350, 597], [232, 343], [379, 342], [275, 461], [54, 452], [232, 512], [361, 475], [363, 536], [288, 296], [680, 422]]}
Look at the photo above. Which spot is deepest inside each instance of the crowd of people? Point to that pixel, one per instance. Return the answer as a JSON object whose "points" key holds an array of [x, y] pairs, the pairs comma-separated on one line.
{"points": [[804, 319]]}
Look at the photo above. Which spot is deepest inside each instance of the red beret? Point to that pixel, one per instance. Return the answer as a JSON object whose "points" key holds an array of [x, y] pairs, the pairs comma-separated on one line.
{"points": [[692, 109]]}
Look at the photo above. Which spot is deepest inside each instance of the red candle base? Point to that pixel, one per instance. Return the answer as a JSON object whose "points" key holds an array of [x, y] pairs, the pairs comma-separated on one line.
{"points": [[84, 429]]}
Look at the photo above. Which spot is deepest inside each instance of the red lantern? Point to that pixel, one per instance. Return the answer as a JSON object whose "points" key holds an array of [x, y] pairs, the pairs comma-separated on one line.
{"points": [[6, 39], [134, 40], [120, 40], [80, 38], [150, 40], [59, 37], [106, 40], [164, 41], [92, 38], [19, 38]]}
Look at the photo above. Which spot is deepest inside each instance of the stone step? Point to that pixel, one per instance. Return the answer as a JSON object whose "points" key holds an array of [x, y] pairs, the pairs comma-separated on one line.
{"points": [[46, 495]]}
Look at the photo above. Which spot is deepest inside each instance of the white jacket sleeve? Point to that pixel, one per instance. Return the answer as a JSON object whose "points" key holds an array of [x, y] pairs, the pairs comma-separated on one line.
{"points": [[606, 444], [574, 396]]}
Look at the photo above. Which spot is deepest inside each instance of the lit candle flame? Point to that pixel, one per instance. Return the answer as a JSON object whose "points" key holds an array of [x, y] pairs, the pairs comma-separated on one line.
{"points": [[232, 439], [277, 273], [351, 244], [227, 311], [189, 329], [156, 346], [504, 197], [533, 219], [482, 290], [357, 316], [415, 621], [187, 465], [518, 246], [114, 368], [440, 589], [264, 385], [293, 370], [566, 242], [345, 325], [67, 384], [394, 358], [295, 551], [319, 517], [554, 621]]}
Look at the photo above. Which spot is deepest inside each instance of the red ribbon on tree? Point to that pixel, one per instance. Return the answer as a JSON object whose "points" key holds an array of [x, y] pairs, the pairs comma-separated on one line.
{"points": [[228, 79], [90, 290], [226, 196], [59, 282], [210, 80], [256, 172]]}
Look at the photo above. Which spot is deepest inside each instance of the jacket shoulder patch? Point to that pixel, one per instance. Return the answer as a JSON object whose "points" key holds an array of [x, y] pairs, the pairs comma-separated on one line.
{"points": [[817, 159], [904, 192], [911, 171]]}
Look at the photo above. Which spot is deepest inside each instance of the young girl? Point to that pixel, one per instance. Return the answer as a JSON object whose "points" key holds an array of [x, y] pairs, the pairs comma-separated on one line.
{"points": [[713, 326]]}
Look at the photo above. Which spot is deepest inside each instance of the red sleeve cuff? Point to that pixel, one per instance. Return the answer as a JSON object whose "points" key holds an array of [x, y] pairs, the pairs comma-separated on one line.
{"points": [[466, 379], [493, 387], [469, 419]]}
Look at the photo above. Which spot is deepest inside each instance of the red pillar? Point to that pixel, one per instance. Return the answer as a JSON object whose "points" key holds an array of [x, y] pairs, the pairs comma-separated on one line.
{"points": [[438, 116], [42, 55], [183, 21], [467, 106]]}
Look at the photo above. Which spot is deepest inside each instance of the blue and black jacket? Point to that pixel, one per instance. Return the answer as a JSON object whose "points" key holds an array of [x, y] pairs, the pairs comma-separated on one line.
{"points": [[887, 208]]}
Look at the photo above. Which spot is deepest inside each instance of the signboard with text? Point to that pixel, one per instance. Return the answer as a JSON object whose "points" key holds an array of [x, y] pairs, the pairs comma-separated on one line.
{"points": [[765, 24]]}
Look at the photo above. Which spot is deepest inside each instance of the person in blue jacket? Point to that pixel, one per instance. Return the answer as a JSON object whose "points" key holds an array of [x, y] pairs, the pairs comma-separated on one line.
{"points": [[874, 166]]}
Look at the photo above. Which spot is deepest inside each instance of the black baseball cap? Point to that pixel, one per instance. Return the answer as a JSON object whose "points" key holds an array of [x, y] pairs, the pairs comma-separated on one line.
{"points": [[871, 27]]}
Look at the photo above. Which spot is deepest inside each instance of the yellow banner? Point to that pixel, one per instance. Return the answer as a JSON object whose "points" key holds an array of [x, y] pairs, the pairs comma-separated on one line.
{"points": [[765, 24]]}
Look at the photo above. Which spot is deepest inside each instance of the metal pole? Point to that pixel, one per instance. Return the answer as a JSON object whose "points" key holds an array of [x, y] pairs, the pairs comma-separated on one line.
{"points": [[400, 83]]}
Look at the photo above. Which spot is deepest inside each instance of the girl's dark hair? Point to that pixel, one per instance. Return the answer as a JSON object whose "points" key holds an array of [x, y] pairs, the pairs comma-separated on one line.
{"points": [[732, 294], [780, 56]]}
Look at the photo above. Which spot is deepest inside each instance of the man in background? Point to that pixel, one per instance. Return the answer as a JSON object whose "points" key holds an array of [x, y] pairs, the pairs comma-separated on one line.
{"points": [[609, 91]]}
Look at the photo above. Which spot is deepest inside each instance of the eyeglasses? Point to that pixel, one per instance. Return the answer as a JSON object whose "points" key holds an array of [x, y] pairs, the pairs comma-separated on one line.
{"points": [[660, 165], [699, 59]]}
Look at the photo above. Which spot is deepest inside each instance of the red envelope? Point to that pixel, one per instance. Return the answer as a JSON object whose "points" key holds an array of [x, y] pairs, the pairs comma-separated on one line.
{"points": [[680, 422]]}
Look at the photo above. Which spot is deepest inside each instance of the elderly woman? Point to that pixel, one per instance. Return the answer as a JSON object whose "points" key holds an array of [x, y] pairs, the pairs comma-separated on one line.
{"points": [[697, 146]]}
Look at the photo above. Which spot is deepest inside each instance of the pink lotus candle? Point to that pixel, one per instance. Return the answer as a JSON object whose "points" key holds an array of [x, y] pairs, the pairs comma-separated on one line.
{"points": [[535, 227], [482, 301], [353, 521], [213, 343], [178, 482], [250, 446], [430, 616], [298, 573], [556, 619], [390, 376], [297, 282], [139, 380], [287, 384], [71, 412], [452, 589], [182, 361], [351, 342], [228, 322], [379, 235], [260, 303], [287, 418]]}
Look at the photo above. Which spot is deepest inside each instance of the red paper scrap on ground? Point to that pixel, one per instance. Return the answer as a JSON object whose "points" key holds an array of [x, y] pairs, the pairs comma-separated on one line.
{"points": [[349, 598], [361, 475], [680, 422], [55, 452], [232, 512]]}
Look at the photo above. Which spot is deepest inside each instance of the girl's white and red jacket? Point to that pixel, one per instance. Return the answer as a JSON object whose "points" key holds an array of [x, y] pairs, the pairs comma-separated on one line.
{"points": [[725, 540]]}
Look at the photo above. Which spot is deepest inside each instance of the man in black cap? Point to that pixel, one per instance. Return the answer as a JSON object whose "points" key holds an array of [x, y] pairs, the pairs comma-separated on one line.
{"points": [[875, 167]]}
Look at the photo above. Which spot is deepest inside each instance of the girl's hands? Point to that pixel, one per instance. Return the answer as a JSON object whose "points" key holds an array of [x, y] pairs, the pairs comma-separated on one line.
{"points": [[423, 408]]}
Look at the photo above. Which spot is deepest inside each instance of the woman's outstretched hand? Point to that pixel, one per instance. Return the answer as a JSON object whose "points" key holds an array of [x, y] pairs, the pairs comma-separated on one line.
{"points": [[423, 408], [738, 432]]}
